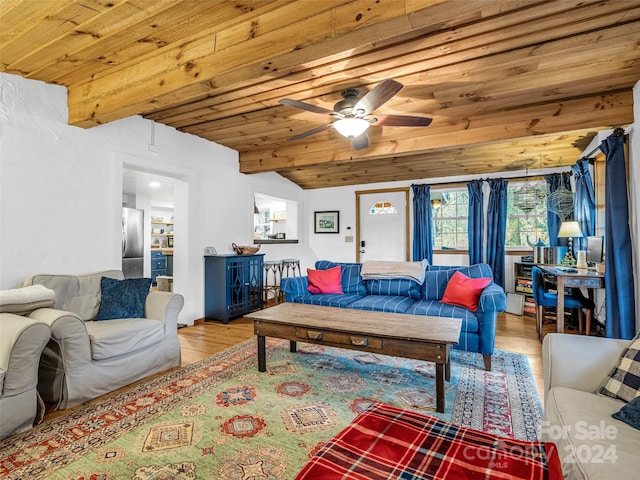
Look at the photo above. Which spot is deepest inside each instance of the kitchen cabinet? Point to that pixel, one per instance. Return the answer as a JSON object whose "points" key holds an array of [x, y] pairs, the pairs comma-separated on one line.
{"points": [[158, 265], [232, 285]]}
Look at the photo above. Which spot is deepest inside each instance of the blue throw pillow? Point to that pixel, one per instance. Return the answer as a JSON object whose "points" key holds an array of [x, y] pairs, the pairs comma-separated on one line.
{"points": [[123, 298], [402, 287], [630, 413]]}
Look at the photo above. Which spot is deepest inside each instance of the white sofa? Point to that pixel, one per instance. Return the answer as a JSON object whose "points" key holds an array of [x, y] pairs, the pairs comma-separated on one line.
{"points": [[591, 444], [21, 342], [85, 358]]}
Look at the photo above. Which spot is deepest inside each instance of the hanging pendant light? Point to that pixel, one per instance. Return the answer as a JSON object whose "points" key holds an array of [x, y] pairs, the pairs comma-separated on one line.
{"points": [[560, 202], [527, 197]]}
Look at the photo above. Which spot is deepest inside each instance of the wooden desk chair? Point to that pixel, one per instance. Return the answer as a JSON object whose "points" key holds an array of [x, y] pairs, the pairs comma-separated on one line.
{"points": [[544, 299]]}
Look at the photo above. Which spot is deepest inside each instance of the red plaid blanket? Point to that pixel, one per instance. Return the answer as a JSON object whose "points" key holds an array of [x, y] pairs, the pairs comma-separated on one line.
{"points": [[386, 442]]}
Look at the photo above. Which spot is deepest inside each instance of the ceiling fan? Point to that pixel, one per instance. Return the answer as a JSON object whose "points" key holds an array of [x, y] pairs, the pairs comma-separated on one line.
{"points": [[353, 113]]}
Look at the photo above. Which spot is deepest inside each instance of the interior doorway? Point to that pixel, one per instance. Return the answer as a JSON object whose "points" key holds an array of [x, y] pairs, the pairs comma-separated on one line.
{"points": [[154, 195], [382, 224]]}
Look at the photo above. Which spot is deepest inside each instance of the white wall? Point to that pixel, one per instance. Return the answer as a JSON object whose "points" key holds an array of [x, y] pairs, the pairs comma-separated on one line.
{"points": [[61, 191]]}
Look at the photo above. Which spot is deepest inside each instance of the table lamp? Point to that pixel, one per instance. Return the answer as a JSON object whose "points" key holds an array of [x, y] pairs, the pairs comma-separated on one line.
{"points": [[569, 230]]}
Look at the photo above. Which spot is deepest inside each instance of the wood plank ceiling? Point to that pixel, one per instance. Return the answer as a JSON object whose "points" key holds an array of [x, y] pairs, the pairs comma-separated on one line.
{"points": [[509, 84]]}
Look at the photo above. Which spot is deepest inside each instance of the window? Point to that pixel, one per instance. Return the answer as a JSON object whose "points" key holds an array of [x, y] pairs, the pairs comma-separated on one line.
{"points": [[274, 218], [450, 212], [522, 226], [382, 208]]}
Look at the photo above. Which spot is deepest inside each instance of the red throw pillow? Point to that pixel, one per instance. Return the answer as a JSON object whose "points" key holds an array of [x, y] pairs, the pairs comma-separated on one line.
{"points": [[324, 281], [464, 291]]}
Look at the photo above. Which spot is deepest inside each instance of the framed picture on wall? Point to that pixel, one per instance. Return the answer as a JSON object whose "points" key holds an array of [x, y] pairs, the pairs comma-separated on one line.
{"points": [[326, 222]]}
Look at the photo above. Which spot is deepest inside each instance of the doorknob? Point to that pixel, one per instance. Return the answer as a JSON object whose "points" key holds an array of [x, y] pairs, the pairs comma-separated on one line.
{"points": [[362, 250]]}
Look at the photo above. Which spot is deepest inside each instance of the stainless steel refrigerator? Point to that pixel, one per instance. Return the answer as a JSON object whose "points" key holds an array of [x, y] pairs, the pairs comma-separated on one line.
{"points": [[132, 243]]}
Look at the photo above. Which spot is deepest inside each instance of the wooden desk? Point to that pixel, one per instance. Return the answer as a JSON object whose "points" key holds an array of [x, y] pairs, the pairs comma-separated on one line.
{"points": [[582, 278]]}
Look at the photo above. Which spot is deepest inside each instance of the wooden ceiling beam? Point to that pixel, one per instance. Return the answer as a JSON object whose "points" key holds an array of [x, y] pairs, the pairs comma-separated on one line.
{"points": [[513, 63], [113, 53], [494, 96], [592, 112], [195, 68], [204, 64], [405, 58], [435, 164]]}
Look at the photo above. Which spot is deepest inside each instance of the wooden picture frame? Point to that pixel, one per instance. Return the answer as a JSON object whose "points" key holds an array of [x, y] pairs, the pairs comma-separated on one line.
{"points": [[326, 222]]}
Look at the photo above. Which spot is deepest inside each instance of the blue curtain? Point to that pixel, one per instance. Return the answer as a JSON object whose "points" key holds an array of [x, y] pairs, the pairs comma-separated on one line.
{"points": [[553, 220], [497, 228], [584, 203], [476, 221], [422, 240], [618, 276]]}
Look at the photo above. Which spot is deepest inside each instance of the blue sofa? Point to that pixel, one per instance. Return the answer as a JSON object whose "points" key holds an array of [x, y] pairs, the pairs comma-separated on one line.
{"points": [[407, 296]]}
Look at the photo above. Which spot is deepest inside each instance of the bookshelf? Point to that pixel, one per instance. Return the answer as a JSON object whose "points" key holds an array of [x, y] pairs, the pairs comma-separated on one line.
{"points": [[523, 286]]}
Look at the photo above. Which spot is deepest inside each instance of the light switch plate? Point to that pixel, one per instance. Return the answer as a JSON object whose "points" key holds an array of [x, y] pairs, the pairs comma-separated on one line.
{"points": [[348, 239]]}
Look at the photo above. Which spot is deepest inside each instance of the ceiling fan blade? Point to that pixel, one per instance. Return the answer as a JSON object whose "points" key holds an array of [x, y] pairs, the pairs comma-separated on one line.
{"points": [[361, 141], [380, 94], [305, 106], [310, 132], [402, 121]]}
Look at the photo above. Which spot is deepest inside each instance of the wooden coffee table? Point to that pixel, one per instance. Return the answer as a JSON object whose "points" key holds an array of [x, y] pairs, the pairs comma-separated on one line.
{"points": [[409, 336]]}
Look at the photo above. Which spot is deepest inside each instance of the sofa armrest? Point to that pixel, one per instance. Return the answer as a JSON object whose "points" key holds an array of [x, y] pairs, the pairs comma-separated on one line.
{"points": [[22, 340], [492, 299], [69, 334], [164, 306], [294, 287], [578, 362]]}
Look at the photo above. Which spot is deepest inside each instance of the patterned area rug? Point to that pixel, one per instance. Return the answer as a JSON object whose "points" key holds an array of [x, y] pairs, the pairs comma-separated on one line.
{"points": [[220, 418]]}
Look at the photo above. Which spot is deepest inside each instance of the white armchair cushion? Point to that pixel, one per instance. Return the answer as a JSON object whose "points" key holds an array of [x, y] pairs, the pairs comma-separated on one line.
{"points": [[120, 337], [591, 444], [578, 361], [79, 294], [23, 301]]}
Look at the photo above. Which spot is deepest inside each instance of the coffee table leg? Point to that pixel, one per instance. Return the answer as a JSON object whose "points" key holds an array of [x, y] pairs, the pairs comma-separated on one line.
{"points": [[447, 369], [292, 346], [440, 387], [262, 354]]}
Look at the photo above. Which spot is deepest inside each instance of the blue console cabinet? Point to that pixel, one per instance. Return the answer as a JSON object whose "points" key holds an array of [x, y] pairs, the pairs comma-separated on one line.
{"points": [[232, 285]]}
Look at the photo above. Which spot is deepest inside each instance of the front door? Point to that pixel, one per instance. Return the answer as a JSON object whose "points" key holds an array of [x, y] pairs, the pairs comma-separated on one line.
{"points": [[382, 225]]}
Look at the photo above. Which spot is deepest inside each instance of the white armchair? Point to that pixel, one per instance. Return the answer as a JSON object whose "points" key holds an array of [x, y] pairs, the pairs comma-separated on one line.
{"points": [[591, 444], [21, 342], [86, 358]]}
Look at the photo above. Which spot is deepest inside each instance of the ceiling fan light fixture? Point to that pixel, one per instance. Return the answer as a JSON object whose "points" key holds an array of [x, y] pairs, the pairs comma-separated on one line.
{"points": [[351, 127]]}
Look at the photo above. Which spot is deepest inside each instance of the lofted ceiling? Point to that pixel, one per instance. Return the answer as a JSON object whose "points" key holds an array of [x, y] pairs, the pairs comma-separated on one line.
{"points": [[509, 84]]}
